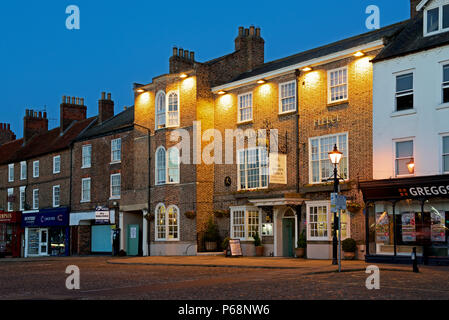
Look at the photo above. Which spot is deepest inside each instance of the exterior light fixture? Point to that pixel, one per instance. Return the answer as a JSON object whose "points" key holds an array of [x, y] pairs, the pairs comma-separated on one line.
{"points": [[335, 156], [261, 81], [221, 92], [183, 75], [359, 54], [307, 69], [140, 90], [411, 166]]}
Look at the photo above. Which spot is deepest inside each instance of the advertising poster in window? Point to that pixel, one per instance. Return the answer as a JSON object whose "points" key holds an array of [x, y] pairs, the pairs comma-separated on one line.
{"points": [[278, 168], [408, 227], [382, 227], [438, 230]]}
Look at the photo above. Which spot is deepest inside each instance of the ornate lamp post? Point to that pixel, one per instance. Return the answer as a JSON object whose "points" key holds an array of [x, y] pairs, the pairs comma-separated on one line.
{"points": [[335, 157]]}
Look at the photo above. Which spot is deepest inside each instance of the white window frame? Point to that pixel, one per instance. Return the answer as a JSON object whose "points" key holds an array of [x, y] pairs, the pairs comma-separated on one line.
{"points": [[11, 172], [83, 192], [160, 113], [168, 112], [398, 94], [157, 181], [56, 204], [35, 199], [329, 87], [245, 209], [36, 169], [440, 20], [239, 108], [114, 149], [10, 205], [120, 185], [23, 170], [281, 98], [329, 221], [177, 168], [261, 169], [22, 200], [86, 153], [444, 85], [319, 147], [56, 158], [395, 141], [166, 224], [443, 136]]}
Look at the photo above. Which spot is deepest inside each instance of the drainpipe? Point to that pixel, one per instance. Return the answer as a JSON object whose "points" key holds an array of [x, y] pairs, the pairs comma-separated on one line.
{"points": [[70, 199], [297, 74]]}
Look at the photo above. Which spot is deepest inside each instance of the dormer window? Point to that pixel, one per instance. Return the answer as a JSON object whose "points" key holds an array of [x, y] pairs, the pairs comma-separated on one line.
{"points": [[436, 19]]}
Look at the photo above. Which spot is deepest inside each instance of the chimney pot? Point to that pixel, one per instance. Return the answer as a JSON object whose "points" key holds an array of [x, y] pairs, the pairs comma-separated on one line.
{"points": [[192, 55], [40, 115], [35, 114], [258, 32], [175, 51], [181, 52], [241, 30], [246, 32], [73, 100], [77, 100], [109, 96], [251, 31], [9, 126], [45, 115], [82, 101], [186, 54], [103, 96], [64, 99]]}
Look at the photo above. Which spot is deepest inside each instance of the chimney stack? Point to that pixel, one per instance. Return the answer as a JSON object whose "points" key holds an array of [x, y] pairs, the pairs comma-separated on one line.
{"points": [[6, 135], [34, 123], [181, 60], [105, 108], [251, 47], [413, 5], [71, 109]]}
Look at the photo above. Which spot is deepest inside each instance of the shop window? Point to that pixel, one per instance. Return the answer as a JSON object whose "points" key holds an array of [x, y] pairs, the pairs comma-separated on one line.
{"points": [[10, 199], [245, 108], [85, 190], [245, 222], [160, 110], [167, 223], [115, 186], [86, 156], [23, 170], [404, 156], [11, 172], [36, 169], [445, 93], [404, 92], [56, 164], [36, 199], [337, 85], [287, 97], [56, 196], [116, 150], [252, 168], [446, 154], [320, 166]]}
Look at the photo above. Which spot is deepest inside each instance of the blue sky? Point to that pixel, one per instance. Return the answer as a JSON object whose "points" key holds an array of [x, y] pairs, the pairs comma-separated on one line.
{"points": [[122, 42]]}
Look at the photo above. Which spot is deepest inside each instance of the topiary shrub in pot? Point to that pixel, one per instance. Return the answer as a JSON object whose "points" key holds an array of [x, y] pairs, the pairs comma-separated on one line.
{"points": [[349, 247], [258, 245], [225, 243], [301, 245], [211, 235]]}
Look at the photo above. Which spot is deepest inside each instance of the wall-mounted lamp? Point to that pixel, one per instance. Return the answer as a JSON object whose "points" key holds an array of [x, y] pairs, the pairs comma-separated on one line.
{"points": [[359, 54], [306, 69], [140, 90], [411, 166], [183, 75], [261, 81], [221, 92]]}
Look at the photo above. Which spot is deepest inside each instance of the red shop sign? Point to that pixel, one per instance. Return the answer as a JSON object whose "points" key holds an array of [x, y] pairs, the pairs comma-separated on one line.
{"points": [[9, 217]]}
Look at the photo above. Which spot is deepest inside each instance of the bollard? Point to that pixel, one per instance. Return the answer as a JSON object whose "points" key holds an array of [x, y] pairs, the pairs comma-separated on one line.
{"points": [[415, 261]]}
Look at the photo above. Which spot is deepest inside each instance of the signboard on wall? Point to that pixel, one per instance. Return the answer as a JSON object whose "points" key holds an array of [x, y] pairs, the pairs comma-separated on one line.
{"points": [[278, 168], [102, 215]]}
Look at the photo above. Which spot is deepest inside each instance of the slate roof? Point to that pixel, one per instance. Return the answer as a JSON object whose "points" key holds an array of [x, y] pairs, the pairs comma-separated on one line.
{"points": [[120, 122], [411, 40], [385, 32]]}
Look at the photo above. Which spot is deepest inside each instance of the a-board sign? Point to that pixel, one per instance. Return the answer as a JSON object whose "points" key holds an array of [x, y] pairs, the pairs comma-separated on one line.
{"points": [[234, 248]]}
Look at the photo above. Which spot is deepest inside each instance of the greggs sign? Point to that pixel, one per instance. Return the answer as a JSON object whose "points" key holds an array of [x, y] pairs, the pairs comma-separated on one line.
{"points": [[427, 191]]}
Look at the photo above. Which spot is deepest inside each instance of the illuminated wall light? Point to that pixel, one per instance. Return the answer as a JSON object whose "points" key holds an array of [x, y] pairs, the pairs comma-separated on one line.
{"points": [[225, 101], [265, 89], [188, 83], [312, 79], [359, 54], [221, 92], [261, 81], [140, 90], [307, 69], [183, 76]]}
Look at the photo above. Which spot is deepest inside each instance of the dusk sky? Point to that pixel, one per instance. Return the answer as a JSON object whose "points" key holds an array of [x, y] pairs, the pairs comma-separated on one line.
{"points": [[122, 42]]}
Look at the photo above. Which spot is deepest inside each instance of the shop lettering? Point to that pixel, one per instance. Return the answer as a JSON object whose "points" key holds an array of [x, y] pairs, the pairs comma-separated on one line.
{"points": [[429, 191], [327, 121], [5, 216]]}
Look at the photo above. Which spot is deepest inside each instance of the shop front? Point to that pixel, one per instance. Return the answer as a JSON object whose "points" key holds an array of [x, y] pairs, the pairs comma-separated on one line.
{"points": [[46, 232], [407, 213], [10, 234]]}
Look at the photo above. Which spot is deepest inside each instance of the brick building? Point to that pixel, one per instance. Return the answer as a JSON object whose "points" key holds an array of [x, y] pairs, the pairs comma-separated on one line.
{"points": [[35, 179]]}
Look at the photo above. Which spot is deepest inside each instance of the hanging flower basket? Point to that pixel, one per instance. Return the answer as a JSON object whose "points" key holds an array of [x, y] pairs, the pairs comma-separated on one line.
{"points": [[353, 207], [222, 213], [190, 214], [149, 216]]}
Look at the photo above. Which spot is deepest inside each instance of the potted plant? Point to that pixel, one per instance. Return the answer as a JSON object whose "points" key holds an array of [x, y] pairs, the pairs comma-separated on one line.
{"points": [[190, 214], [301, 245], [349, 247], [258, 245], [211, 235], [224, 244]]}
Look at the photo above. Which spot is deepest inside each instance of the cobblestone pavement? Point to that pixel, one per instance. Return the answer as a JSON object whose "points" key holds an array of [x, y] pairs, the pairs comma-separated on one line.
{"points": [[45, 279]]}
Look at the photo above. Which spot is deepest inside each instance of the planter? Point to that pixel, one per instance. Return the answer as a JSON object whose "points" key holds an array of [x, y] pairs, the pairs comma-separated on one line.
{"points": [[259, 251], [190, 214], [211, 245], [349, 255], [299, 252]]}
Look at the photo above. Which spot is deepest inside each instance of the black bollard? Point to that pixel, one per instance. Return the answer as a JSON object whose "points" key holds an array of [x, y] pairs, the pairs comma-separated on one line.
{"points": [[415, 261]]}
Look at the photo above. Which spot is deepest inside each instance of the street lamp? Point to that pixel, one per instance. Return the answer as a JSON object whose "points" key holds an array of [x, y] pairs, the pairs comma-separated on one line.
{"points": [[335, 157]]}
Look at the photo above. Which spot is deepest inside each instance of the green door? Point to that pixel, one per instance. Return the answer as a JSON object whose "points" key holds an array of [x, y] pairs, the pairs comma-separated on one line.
{"points": [[133, 240], [288, 237]]}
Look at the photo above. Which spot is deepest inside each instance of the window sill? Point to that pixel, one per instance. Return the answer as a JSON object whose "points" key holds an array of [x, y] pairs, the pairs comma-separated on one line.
{"points": [[403, 113], [443, 106], [86, 167], [114, 198], [287, 113], [337, 103], [115, 162], [167, 240], [240, 123], [85, 201]]}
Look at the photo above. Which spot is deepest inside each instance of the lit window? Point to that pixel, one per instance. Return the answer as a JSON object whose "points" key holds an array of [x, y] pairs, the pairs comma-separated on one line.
{"points": [[115, 185], [86, 156], [337, 85], [56, 196], [287, 97], [56, 164], [404, 155], [404, 92], [10, 199], [320, 222], [22, 198], [446, 84], [252, 168], [35, 199], [167, 223], [173, 110], [245, 107], [85, 190], [446, 154], [161, 166], [36, 169], [116, 150], [245, 222], [23, 170], [320, 166], [11, 172], [160, 110]]}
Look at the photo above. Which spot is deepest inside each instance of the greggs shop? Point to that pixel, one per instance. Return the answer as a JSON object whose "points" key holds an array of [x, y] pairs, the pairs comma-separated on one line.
{"points": [[10, 234], [405, 213]]}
